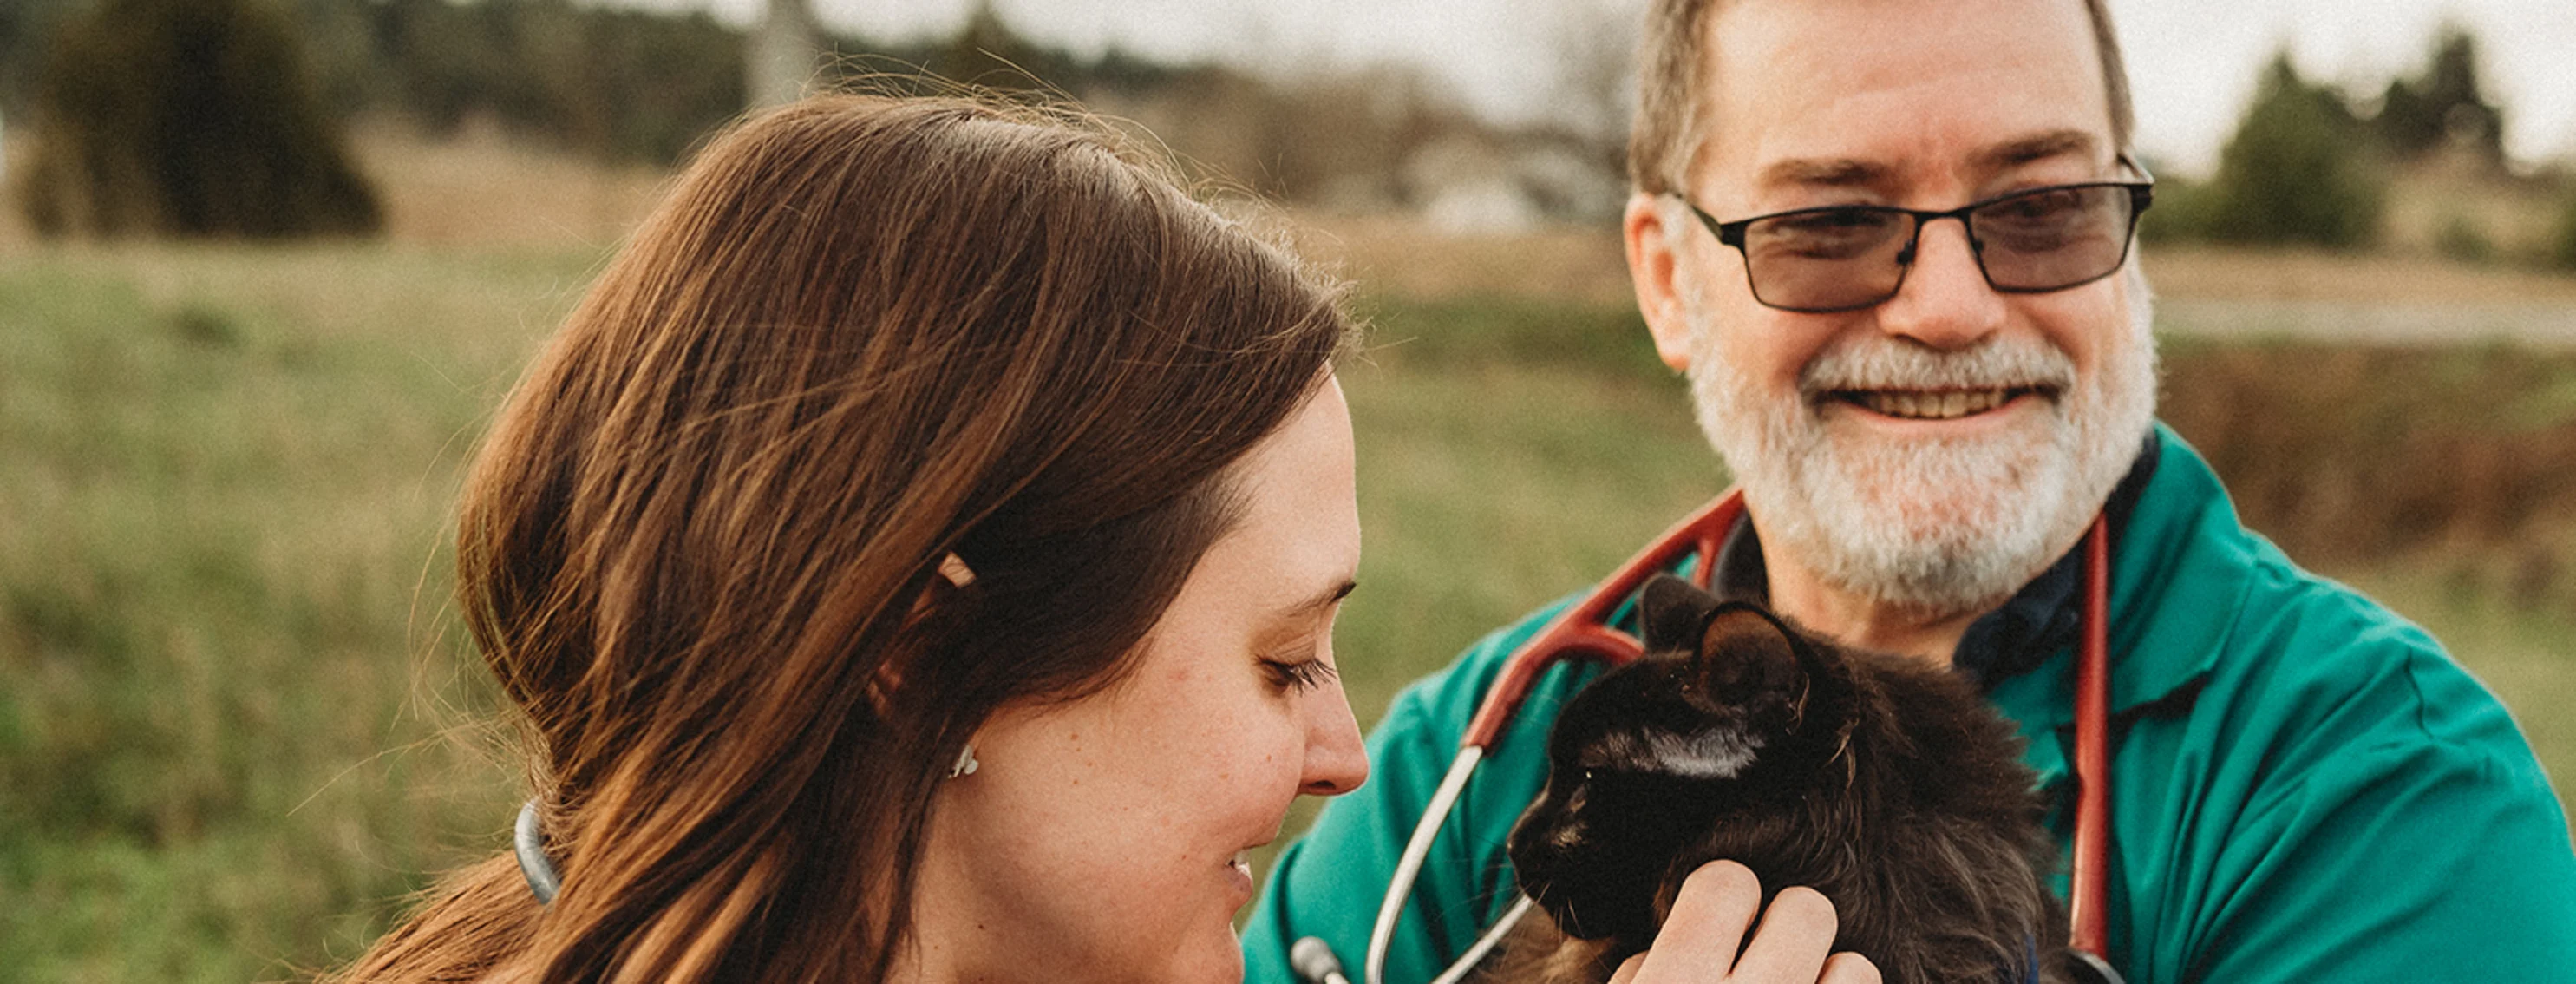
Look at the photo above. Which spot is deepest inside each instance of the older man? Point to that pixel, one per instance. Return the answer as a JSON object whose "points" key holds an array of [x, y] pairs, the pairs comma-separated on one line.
{"points": [[1888, 242]]}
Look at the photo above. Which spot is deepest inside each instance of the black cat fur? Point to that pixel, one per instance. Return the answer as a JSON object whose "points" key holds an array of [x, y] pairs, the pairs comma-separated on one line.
{"points": [[1884, 782]]}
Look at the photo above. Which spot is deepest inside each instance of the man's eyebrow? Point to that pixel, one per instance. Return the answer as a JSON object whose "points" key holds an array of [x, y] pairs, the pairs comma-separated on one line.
{"points": [[1845, 172], [1831, 172], [2037, 147]]}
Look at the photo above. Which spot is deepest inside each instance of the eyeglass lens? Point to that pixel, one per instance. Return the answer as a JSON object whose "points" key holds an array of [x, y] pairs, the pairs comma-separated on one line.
{"points": [[1853, 257]]}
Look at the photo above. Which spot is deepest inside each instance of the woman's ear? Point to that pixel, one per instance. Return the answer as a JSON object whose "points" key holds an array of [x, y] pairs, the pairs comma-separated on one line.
{"points": [[952, 576]]}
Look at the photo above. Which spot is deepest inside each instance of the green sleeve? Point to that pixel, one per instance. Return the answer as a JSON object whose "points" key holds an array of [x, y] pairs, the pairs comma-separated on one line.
{"points": [[1330, 883], [2409, 862], [2373, 815], [2435, 853]]}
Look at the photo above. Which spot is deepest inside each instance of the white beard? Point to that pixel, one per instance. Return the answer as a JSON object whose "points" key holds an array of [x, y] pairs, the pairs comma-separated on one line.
{"points": [[1937, 527]]}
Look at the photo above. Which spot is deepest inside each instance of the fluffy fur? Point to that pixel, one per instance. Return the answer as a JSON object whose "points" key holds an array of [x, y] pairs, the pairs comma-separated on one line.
{"points": [[1884, 782]]}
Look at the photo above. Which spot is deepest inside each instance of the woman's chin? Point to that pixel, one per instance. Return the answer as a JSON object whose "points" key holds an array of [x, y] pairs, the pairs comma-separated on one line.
{"points": [[1217, 960], [1229, 968]]}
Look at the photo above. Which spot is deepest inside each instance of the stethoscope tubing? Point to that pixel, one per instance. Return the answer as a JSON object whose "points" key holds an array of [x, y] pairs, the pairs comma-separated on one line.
{"points": [[2087, 886], [1583, 632]]}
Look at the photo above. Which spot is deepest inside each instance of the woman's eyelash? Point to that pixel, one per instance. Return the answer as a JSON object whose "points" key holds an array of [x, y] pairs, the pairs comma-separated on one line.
{"points": [[1300, 674]]}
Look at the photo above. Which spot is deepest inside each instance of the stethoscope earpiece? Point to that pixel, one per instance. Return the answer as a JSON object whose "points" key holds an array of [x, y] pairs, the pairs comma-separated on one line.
{"points": [[530, 844]]}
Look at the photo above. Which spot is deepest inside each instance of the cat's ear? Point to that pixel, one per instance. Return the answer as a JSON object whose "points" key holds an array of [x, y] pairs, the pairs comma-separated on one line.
{"points": [[1745, 651], [1671, 613]]}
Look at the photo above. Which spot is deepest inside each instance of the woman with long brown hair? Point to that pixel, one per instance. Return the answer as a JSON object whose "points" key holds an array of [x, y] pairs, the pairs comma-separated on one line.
{"points": [[915, 559]]}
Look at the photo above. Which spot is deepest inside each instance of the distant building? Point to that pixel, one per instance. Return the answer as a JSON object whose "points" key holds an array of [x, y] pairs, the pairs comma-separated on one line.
{"points": [[1494, 181]]}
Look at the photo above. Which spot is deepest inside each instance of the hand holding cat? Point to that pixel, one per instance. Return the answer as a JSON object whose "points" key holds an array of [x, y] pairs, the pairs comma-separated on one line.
{"points": [[1716, 906]]}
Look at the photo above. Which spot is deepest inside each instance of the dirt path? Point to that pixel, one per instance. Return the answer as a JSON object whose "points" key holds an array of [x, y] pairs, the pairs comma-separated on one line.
{"points": [[2549, 323]]}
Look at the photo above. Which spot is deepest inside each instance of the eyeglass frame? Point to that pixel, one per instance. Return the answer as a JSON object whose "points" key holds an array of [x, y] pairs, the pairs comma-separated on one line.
{"points": [[2141, 195]]}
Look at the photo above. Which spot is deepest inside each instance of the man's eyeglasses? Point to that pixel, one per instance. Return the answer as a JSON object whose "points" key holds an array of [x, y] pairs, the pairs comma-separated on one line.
{"points": [[1849, 257]]}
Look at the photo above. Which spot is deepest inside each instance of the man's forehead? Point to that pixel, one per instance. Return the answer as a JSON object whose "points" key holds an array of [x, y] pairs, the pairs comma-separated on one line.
{"points": [[2004, 155], [1840, 91]]}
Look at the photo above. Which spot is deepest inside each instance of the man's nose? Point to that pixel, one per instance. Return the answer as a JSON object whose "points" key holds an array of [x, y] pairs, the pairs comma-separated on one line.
{"points": [[1945, 302]]}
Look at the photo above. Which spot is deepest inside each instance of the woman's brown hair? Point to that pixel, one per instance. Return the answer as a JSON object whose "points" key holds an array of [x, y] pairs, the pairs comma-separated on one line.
{"points": [[701, 547]]}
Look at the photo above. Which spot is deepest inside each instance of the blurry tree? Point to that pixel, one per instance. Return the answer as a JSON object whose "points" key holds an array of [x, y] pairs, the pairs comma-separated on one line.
{"points": [[2444, 106], [784, 49], [615, 83], [24, 26], [1596, 74], [2461, 238], [2184, 208], [1344, 139], [339, 40], [986, 52], [2562, 248], [186, 118], [2292, 173]]}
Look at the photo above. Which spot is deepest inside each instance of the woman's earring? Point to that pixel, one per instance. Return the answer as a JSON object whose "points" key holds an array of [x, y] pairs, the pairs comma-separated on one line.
{"points": [[966, 763]]}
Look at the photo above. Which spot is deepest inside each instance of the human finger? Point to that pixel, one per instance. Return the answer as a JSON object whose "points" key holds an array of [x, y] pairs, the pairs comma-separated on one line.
{"points": [[1849, 968], [1797, 934], [1706, 926]]}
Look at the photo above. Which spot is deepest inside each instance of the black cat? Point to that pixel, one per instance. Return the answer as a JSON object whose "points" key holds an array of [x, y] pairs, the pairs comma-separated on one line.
{"points": [[1884, 782]]}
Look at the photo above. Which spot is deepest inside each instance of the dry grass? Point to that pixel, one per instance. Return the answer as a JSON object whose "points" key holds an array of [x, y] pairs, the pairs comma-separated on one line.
{"points": [[2217, 274], [225, 654], [478, 189], [481, 189], [1402, 257], [2351, 456]]}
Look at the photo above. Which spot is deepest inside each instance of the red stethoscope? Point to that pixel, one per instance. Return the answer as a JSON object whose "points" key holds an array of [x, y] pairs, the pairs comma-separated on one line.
{"points": [[1583, 634]]}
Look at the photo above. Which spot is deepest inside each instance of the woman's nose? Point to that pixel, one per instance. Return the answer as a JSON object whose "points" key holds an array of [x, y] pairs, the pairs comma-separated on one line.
{"points": [[1336, 758]]}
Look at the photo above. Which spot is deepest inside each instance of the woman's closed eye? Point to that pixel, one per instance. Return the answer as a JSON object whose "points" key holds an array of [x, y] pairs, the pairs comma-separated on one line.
{"points": [[1299, 673], [1299, 665]]}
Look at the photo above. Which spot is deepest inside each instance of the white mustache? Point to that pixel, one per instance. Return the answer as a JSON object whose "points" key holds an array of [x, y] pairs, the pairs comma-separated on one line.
{"points": [[1881, 363]]}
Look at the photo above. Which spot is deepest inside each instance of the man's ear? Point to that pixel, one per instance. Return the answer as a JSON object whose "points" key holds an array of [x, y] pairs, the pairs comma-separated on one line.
{"points": [[1651, 268]]}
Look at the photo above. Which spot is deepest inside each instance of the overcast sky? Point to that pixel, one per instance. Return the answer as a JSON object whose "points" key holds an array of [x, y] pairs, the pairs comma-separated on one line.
{"points": [[2192, 62]]}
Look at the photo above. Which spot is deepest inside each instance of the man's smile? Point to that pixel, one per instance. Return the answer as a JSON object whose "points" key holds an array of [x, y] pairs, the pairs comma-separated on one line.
{"points": [[1943, 404]]}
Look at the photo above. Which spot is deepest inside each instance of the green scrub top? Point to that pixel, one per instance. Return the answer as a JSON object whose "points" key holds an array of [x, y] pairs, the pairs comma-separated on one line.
{"points": [[2304, 786]]}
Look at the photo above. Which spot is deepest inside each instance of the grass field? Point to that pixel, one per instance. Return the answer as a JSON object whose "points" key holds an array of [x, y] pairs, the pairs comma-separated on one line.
{"points": [[236, 724], [221, 595]]}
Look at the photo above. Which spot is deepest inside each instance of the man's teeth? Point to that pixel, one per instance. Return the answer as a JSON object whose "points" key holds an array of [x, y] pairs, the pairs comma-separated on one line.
{"points": [[1932, 406]]}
